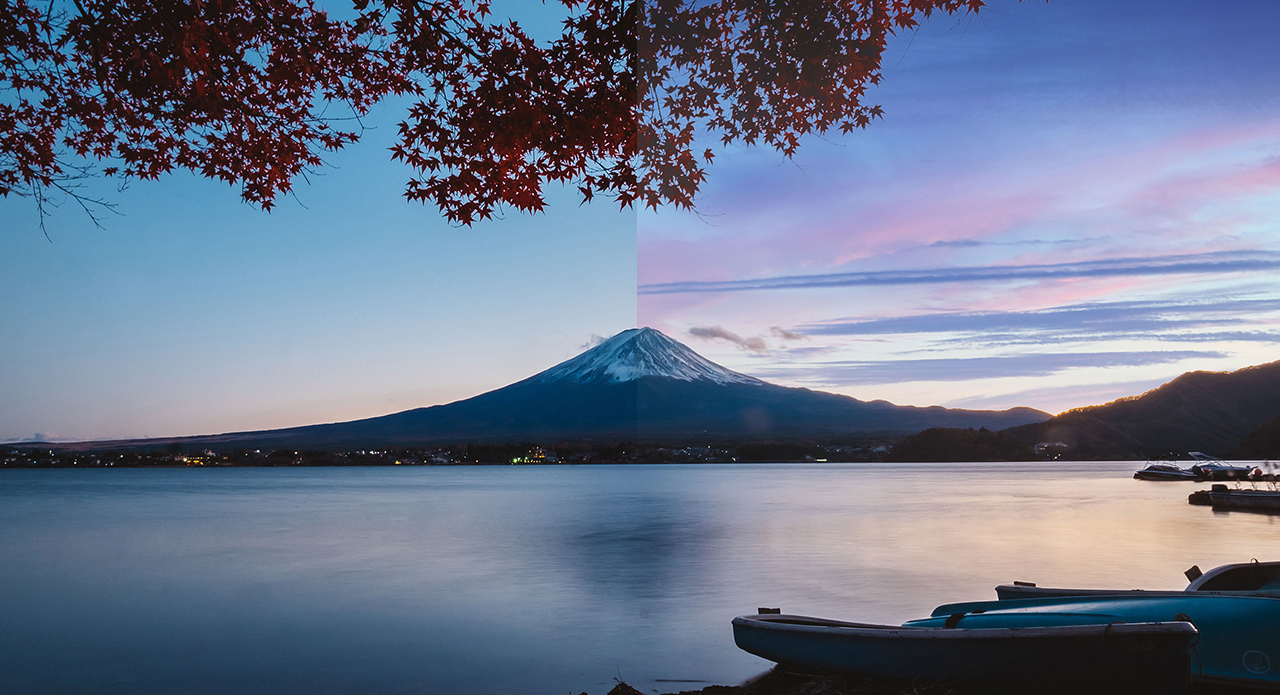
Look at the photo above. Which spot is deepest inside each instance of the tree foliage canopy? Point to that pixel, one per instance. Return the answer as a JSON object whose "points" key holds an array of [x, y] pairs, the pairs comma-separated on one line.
{"points": [[254, 92]]}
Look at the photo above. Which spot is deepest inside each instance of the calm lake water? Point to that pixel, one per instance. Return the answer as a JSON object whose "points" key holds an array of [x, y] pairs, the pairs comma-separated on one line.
{"points": [[538, 580]]}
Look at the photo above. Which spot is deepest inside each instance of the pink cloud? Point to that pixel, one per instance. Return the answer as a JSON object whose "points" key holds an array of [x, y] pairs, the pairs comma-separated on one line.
{"points": [[1042, 294], [1161, 186]]}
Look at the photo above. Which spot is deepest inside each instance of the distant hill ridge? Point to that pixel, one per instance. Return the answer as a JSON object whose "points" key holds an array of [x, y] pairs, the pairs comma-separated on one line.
{"points": [[1198, 411], [638, 386]]}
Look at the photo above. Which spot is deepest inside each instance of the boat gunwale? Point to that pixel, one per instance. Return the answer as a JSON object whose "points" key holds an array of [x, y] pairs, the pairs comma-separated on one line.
{"points": [[1036, 593], [1033, 592], [1238, 682], [1012, 604], [806, 624]]}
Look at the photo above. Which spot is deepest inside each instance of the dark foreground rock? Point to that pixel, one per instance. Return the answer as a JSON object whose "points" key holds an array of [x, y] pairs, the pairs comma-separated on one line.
{"points": [[777, 682]]}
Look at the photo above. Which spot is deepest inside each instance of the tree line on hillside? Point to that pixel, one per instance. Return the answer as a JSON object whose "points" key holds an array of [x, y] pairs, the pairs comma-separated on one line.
{"points": [[952, 444]]}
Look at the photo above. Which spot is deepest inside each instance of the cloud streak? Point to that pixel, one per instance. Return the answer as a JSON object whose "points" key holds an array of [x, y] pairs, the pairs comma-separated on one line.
{"points": [[1208, 263], [786, 335], [849, 373], [753, 344], [1134, 317]]}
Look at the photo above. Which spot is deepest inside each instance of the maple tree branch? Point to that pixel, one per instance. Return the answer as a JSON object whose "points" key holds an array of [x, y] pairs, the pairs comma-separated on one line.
{"points": [[446, 33], [65, 184], [240, 91]]}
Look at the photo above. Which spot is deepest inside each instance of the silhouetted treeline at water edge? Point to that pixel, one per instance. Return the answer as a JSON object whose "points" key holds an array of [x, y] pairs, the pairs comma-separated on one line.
{"points": [[524, 453], [936, 444], [951, 444]]}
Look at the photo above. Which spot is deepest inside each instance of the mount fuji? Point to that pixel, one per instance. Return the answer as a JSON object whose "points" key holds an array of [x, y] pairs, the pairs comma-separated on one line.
{"points": [[637, 353], [638, 386]]}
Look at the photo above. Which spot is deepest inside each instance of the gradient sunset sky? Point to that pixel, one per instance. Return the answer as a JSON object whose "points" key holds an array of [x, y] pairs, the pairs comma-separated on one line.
{"points": [[1065, 203]]}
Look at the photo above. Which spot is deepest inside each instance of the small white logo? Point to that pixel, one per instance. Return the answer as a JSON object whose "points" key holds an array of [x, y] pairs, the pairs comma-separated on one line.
{"points": [[1256, 662]]}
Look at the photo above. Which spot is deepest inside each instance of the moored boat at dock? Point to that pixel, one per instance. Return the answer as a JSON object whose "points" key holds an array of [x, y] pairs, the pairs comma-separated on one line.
{"points": [[1205, 468], [1165, 471], [1222, 497], [1211, 468]]}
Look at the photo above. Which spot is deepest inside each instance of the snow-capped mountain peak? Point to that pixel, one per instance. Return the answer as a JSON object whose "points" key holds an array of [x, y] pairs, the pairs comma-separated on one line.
{"points": [[639, 352]]}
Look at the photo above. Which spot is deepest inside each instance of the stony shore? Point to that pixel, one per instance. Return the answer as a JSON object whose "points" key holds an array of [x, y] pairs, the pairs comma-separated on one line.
{"points": [[776, 682], [779, 683]]}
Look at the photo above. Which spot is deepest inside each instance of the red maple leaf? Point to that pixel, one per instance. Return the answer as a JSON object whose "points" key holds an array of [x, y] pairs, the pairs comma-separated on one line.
{"points": [[242, 91]]}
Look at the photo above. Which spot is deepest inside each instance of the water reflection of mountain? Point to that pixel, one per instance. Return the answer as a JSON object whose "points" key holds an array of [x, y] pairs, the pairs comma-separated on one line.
{"points": [[647, 546]]}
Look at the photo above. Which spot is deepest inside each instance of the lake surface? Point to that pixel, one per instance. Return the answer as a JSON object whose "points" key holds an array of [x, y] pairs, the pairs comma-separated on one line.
{"points": [[538, 580]]}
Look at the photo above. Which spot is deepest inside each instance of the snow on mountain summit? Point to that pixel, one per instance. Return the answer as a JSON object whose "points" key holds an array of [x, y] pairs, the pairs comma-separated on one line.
{"points": [[638, 352]]}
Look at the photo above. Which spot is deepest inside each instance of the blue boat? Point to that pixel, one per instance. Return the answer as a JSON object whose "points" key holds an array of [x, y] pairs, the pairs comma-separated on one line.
{"points": [[1243, 578], [1105, 657], [1239, 635]]}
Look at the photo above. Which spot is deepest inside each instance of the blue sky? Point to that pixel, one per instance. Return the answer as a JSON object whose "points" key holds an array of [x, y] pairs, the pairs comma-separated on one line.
{"points": [[193, 313], [1065, 203]]}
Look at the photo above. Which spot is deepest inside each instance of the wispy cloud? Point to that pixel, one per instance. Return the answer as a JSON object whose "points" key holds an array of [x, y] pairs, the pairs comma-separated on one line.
{"points": [[37, 437], [1006, 340], [850, 373], [816, 350], [784, 334], [1090, 319], [754, 344], [977, 243], [1207, 263]]}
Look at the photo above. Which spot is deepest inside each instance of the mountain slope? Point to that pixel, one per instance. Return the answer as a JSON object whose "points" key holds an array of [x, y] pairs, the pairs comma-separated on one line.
{"points": [[1198, 411], [638, 386]]}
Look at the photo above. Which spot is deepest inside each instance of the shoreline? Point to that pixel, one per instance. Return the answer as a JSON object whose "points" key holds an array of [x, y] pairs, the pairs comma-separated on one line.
{"points": [[779, 682]]}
